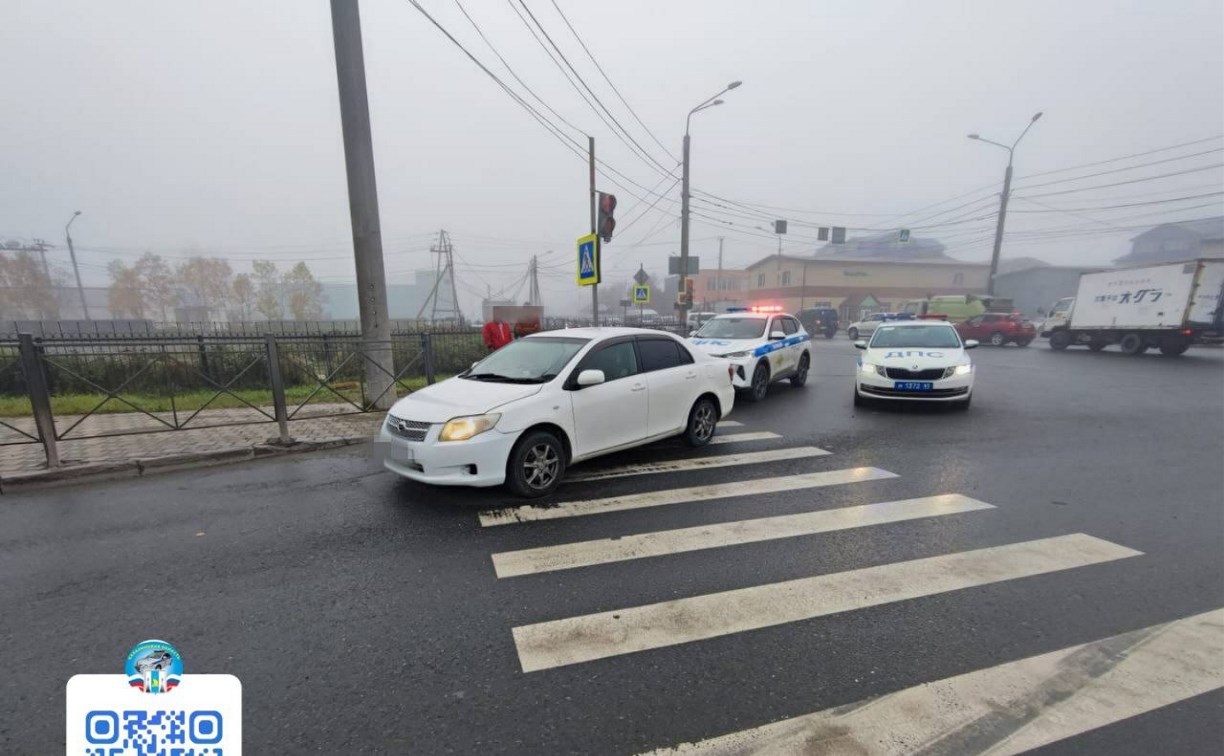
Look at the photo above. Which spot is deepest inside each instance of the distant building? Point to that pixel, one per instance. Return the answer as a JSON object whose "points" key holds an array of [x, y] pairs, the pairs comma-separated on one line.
{"points": [[713, 290], [870, 274], [1036, 287], [1171, 242], [404, 301]]}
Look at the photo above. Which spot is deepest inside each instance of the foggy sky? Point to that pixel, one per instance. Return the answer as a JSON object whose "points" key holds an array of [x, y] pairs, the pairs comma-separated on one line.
{"points": [[212, 127]]}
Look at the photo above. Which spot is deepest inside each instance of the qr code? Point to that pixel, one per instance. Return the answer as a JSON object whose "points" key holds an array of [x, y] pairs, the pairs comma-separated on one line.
{"points": [[154, 733]]}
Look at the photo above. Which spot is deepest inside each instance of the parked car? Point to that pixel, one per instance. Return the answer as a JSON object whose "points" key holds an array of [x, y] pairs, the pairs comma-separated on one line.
{"points": [[997, 330], [866, 326], [819, 320], [762, 347], [915, 360], [528, 411]]}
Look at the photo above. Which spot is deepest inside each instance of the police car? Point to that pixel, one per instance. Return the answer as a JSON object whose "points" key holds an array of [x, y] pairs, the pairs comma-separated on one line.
{"points": [[915, 360], [763, 344]]}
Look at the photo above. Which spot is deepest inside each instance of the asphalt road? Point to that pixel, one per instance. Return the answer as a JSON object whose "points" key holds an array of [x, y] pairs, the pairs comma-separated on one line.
{"points": [[363, 613]]}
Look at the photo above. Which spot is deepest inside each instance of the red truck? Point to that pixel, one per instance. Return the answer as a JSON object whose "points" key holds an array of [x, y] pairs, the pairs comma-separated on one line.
{"points": [[998, 329]]}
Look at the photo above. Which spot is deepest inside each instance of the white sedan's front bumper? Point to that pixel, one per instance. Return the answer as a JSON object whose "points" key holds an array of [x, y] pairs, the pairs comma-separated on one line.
{"points": [[954, 389], [479, 461]]}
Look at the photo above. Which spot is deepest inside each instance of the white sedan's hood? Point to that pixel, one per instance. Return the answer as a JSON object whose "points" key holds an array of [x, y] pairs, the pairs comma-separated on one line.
{"points": [[724, 346], [916, 358], [456, 397]]}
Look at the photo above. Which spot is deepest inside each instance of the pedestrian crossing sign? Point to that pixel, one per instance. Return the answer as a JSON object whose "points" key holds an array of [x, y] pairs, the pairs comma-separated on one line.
{"points": [[588, 260], [641, 295]]}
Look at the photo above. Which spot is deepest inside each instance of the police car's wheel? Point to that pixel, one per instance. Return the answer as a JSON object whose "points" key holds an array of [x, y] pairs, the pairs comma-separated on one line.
{"points": [[703, 419], [760, 383], [859, 399], [964, 405], [800, 376], [536, 465], [853, 334]]}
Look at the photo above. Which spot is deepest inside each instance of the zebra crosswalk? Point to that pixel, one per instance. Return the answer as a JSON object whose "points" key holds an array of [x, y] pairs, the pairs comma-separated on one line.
{"points": [[935, 713]]}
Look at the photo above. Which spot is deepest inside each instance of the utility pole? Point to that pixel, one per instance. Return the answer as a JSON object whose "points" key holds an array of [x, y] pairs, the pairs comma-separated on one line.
{"points": [[598, 257], [363, 203], [684, 228], [76, 270], [719, 286], [1007, 177]]}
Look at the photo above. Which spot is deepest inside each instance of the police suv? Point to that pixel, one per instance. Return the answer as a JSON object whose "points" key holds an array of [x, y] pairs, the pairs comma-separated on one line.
{"points": [[763, 345]]}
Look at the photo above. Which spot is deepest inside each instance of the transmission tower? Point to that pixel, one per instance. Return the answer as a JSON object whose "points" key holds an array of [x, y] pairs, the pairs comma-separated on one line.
{"points": [[444, 280]]}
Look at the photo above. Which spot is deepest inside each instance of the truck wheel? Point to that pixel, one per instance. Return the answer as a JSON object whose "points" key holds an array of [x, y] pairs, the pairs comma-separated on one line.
{"points": [[1132, 343], [760, 383], [853, 334], [997, 339], [1174, 347], [1060, 340], [800, 377]]}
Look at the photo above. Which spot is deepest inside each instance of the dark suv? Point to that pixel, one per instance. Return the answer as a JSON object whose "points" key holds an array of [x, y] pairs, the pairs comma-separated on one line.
{"points": [[821, 320]]}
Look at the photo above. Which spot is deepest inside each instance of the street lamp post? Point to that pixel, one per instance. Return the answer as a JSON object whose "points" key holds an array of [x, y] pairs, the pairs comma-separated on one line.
{"points": [[75, 269], [684, 194], [1007, 177]]}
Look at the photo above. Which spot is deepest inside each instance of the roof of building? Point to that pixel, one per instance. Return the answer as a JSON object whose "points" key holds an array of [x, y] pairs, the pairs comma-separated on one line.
{"points": [[943, 260], [1207, 229], [885, 245], [1015, 264]]}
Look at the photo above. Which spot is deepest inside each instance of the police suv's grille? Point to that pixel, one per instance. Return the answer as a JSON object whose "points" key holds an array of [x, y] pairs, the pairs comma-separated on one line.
{"points": [[409, 429], [902, 374]]}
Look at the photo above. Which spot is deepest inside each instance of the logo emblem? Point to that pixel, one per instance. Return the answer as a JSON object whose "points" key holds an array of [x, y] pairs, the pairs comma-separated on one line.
{"points": [[915, 367], [153, 666]]}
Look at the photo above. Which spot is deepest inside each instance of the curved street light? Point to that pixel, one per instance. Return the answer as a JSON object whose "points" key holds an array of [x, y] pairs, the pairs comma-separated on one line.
{"points": [[76, 270], [1007, 177], [709, 102]]}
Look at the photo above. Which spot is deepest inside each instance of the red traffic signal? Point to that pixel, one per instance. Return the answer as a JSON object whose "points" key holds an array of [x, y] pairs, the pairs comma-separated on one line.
{"points": [[607, 224]]}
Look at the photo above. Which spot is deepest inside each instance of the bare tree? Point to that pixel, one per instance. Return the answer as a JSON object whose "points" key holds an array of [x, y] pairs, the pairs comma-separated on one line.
{"points": [[158, 279], [243, 295], [268, 298], [304, 292], [125, 298], [207, 279], [29, 289]]}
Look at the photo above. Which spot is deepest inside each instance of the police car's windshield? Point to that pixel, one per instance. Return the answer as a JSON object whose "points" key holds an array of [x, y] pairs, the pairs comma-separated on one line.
{"points": [[915, 336], [534, 360], [733, 328]]}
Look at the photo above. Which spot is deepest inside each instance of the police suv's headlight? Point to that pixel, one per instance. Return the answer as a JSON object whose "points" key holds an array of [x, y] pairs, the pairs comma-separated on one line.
{"points": [[463, 428], [735, 355], [960, 370]]}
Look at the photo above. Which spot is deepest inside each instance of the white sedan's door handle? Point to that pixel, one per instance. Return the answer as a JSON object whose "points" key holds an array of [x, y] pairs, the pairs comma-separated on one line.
{"points": [[638, 387], [690, 375]]}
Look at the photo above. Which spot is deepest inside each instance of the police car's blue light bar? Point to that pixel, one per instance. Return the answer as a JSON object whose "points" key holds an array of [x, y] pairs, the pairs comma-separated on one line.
{"points": [[737, 309]]}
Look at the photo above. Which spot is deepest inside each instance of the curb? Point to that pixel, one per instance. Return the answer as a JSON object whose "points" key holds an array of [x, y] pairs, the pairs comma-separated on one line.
{"points": [[93, 472]]}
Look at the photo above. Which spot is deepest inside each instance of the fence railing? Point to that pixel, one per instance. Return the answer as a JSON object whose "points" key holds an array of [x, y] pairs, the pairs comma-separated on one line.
{"points": [[62, 389], [57, 390]]}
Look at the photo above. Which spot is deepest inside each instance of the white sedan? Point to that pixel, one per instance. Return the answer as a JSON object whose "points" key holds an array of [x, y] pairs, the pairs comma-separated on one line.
{"points": [[525, 413], [915, 360]]}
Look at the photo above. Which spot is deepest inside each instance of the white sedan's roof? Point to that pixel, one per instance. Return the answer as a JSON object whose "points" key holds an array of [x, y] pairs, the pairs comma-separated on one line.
{"points": [[590, 332], [912, 323]]}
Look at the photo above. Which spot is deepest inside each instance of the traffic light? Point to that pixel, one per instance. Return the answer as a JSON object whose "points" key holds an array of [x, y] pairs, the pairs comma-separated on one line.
{"points": [[607, 205], [689, 287]]}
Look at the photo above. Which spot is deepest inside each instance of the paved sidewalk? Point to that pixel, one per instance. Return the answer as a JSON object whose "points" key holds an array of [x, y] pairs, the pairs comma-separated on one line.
{"points": [[312, 424]]}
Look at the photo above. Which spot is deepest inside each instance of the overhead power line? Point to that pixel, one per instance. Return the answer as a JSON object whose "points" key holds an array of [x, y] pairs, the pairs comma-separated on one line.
{"points": [[1215, 138], [1122, 170], [1213, 166]]}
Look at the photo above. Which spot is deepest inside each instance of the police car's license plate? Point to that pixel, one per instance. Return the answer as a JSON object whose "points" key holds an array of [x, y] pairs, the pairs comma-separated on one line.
{"points": [[913, 385]]}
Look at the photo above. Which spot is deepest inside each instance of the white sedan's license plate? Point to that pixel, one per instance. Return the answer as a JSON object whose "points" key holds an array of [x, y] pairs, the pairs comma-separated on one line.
{"points": [[913, 386]]}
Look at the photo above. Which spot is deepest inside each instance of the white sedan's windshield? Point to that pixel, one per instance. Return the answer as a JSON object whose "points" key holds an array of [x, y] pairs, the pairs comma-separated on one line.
{"points": [[942, 336], [534, 360], [733, 328]]}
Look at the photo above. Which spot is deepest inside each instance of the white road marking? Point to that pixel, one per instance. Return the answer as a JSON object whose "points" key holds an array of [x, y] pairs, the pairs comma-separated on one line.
{"points": [[585, 553], [1010, 708], [682, 495], [730, 424], [732, 438], [623, 631], [700, 463]]}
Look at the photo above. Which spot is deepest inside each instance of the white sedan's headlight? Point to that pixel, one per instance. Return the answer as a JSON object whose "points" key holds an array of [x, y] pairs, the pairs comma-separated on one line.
{"points": [[872, 369], [963, 370], [735, 355], [463, 428]]}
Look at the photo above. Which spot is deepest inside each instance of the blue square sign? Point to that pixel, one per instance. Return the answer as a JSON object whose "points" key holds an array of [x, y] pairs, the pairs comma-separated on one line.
{"points": [[588, 260]]}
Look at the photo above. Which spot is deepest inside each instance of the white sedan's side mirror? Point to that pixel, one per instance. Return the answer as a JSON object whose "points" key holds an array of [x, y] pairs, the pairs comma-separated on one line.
{"points": [[970, 344], [591, 378], [860, 344]]}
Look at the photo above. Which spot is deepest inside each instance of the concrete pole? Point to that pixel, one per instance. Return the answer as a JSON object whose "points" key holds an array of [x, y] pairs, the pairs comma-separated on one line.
{"points": [[719, 286], [76, 270], [998, 240], [684, 227], [598, 246], [363, 202]]}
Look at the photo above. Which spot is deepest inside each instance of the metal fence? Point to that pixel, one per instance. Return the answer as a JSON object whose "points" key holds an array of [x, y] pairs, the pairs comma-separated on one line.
{"points": [[55, 390]]}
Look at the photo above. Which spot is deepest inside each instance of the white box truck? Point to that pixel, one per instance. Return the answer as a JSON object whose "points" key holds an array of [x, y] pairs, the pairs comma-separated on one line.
{"points": [[1169, 306]]}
